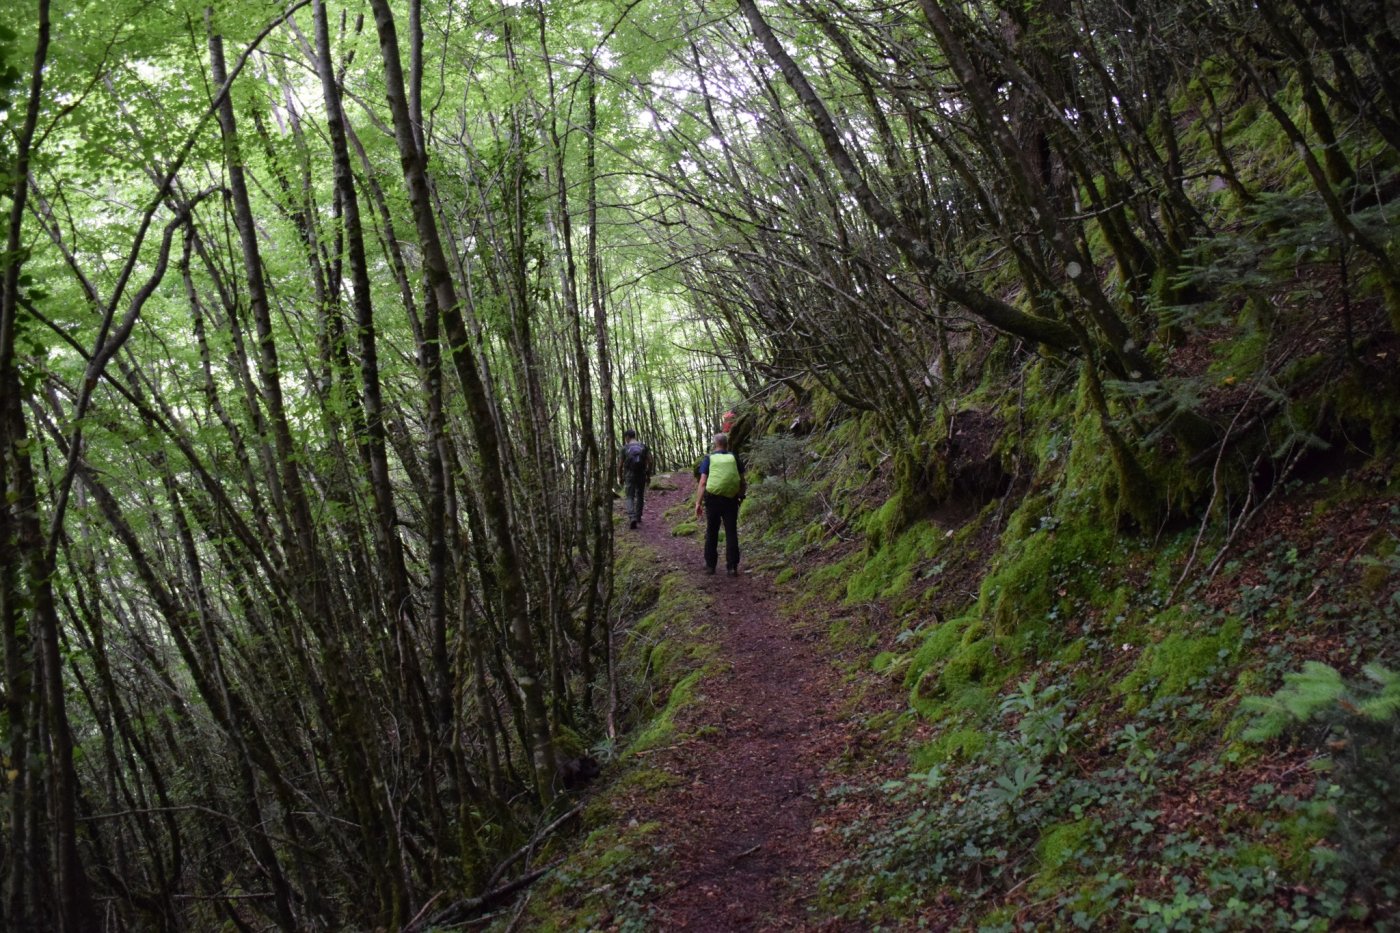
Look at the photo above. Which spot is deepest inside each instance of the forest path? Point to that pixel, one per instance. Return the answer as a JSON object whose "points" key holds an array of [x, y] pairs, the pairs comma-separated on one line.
{"points": [[746, 853]]}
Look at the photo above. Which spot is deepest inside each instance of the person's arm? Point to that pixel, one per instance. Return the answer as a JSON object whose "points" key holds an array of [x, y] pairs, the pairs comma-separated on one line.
{"points": [[700, 489]]}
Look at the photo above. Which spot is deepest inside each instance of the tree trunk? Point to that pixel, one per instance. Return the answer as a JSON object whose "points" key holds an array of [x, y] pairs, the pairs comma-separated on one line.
{"points": [[485, 430]]}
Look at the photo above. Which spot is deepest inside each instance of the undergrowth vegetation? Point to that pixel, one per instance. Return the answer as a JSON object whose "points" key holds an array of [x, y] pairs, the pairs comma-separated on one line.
{"points": [[1090, 763], [1099, 678], [1147, 628], [1136, 585], [607, 876]]}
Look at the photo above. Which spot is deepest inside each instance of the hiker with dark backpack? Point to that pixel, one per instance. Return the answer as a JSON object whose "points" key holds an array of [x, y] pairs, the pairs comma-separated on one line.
{"points": [[718, 496], [634, 471]]}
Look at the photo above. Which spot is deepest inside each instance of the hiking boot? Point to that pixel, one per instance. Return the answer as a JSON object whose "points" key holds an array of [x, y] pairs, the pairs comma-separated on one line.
{"points": [[710, 571], [633, 524], [732, 571]]}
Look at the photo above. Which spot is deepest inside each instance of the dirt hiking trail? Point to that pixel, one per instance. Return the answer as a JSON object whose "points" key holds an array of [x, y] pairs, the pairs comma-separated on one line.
{"points": [[746, 852]]}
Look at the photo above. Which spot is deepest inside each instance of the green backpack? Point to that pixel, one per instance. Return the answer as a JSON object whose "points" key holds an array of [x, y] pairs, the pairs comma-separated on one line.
{"points": [[724, 475]]}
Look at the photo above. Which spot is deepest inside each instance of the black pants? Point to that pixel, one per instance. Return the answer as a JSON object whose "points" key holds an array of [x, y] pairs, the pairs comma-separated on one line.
{"points": [[636, 497], [721, 509]]}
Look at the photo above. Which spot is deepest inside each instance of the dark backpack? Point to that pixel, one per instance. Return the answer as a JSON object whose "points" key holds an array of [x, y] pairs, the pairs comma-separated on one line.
{"points": [[634, 458]]}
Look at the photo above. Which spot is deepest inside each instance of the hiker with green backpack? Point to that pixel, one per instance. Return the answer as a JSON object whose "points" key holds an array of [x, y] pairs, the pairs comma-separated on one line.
{"points": [[718, 496], [634, 471]]}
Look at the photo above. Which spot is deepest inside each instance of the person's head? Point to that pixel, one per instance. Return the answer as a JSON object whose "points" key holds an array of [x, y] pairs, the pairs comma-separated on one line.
{"points": [[629, 435], [726, 422], [721, 442]]}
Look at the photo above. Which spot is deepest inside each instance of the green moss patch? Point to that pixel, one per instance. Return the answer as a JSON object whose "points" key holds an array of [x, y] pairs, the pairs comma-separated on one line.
{"points": [[1047, 574], [1179, 662], [1061, 843], [603, 882], [936, 647], [663, 725], [954, 745], [889, 570]]}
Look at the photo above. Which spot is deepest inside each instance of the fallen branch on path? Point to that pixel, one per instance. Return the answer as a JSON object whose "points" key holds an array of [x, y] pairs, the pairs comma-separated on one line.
{"points": [[529, 847], [464, 909]]}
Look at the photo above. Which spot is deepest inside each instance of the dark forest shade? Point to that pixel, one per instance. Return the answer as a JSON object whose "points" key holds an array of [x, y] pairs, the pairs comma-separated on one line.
{"points": [[316, 334]]}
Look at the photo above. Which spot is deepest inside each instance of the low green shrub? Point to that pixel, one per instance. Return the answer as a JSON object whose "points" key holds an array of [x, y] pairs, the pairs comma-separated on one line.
{"points": [[1358, 724]]}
